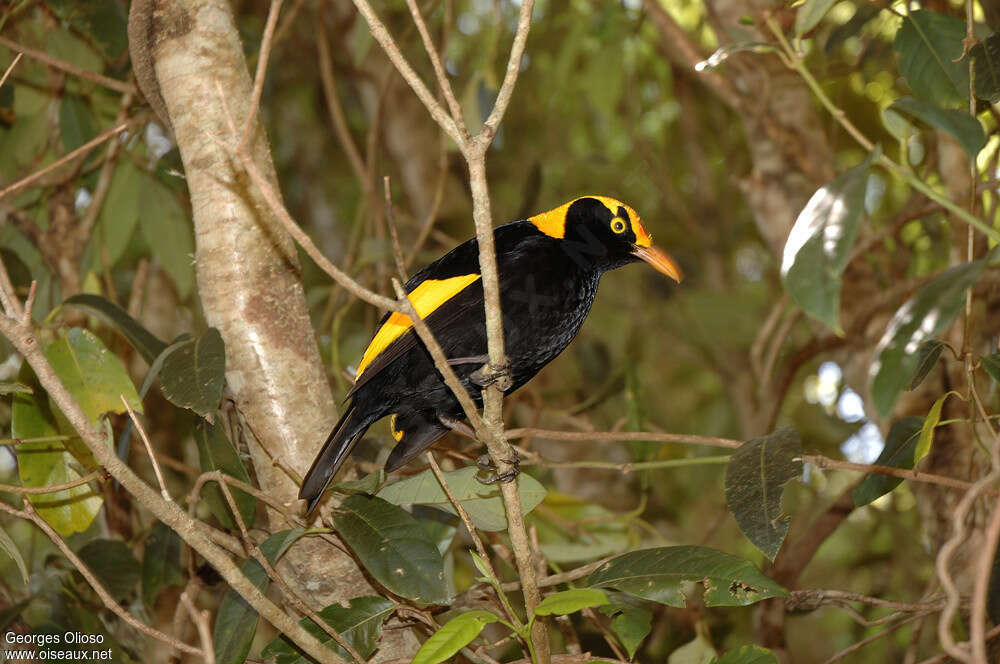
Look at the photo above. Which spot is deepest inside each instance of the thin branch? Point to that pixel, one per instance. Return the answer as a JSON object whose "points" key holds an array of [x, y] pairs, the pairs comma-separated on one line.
{"points": [[80, 151], [201, 620], [939, 659], [261, 73], [337, 118], [10, 68], [875, 637], [29, 514], [52, 488], [382, 36], [390, 221], [149, 449], [69, 68], [442, 76], [510, 77]]}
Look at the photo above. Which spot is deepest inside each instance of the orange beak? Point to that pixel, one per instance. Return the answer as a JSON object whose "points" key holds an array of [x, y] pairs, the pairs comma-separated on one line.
{"points": [[660, 260]]}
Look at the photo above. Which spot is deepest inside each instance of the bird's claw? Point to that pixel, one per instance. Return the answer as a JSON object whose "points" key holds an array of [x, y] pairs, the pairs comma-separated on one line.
{"points": [[486, 463], [487, 375]]}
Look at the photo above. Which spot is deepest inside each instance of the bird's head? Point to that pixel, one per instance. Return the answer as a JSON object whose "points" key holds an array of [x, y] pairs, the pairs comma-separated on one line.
{"points": [[603, 233]]}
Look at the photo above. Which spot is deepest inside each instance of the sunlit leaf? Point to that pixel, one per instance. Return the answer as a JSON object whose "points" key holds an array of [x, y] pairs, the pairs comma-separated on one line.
{"points": [[924, 316], [360, 623], [659, 575], [696, 651], [570, 601], [927, 428], [819, 245], [899, 452], [481, 501], [453, 636], [757, 471], [94, 376], [962, 126], [748, 655], [393, 547], [930, 48], [236, 620], [48, 463]]}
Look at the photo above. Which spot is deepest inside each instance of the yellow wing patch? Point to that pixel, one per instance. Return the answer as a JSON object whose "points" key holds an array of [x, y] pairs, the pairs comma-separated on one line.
{"points": [[396, 434], [553, 222], [426, 297]]}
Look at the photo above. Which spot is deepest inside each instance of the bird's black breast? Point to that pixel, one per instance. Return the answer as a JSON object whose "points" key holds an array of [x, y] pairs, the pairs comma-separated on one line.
{"points": [[545, 297]]}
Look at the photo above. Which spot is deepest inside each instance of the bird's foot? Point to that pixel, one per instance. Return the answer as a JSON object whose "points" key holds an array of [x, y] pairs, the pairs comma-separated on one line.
{"points": [[487, 375], [486, 463], [456, 425]]}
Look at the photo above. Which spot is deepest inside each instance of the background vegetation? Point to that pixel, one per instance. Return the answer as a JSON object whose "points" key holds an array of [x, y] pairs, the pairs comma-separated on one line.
{"points": [[817, 171]]}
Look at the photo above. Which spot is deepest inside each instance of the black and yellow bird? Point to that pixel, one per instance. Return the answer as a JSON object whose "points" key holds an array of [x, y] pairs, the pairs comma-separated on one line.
{"points": [[549, 266]]}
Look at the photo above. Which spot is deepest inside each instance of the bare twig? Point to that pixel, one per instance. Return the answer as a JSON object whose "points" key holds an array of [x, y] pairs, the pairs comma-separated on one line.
{"points": [[439, 72], [80, 151], [258, 81], [875, 637], [67, 67], [52, 488], [149, 449], [10, 68], [397, 251], [201, 620]]}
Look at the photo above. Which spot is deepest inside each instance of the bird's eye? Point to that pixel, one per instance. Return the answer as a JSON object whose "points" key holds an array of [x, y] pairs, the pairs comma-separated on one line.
{"points": [[618, 225]]}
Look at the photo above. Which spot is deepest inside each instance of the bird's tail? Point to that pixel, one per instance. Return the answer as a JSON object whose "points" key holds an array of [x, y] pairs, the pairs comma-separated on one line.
{"points": [[344, 436]]}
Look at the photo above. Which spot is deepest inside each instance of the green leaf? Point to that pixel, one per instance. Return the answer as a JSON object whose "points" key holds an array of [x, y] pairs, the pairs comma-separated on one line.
{"points": [[76, 124], [658, 574], [632, 626], [927, 356], [113, 564], [991, 364], [986, 65], [570, 601], [144, 341], [161, 562], [8, 545], [216, 452], [962, 126], [927, 429], [757, 471], [48, 463], [118, 217], [194, 374], [360, 623], [393, 547], [92, 374], [809, 14], [929, 45], [819, 245], [924, 316], [481, 501], [748, 655], [453, 636], [696, 651], [166, 229], [369, 484], [899, 452], [236, 621]]}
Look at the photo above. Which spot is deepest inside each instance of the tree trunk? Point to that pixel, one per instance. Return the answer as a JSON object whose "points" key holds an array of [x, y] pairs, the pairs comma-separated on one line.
{"points": [[248, 276]]}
